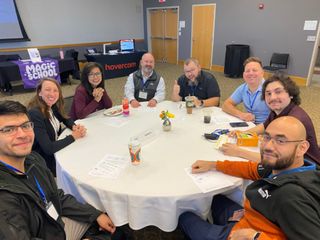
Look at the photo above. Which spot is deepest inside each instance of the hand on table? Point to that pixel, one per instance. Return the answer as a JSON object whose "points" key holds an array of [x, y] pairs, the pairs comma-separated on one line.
{"points": [[196, 101], [78, 131], [97, 94], [106, 223], [248, 117], [152, 103], [134, 103], [230, 149], [243, 234], [203, 166], [232, 133]]}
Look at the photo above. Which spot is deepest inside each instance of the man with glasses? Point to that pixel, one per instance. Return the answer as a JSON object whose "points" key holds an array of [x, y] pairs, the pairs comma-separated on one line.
{"points": [[145, 84], [282, 202], [199, 84], [31, 205], [282, 96]]}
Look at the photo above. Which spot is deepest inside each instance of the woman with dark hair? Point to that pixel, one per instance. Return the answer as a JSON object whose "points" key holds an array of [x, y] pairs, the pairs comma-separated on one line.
{"points": [[46, 110], [282, 96], [90, 95]]}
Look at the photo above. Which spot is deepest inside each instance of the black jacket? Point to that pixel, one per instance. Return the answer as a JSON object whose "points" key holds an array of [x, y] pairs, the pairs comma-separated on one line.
{"points": [[45, 142], [22, 210]]}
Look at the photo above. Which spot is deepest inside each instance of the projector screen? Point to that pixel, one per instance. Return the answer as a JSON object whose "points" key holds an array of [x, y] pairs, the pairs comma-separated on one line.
{"points": [[12, 29]]}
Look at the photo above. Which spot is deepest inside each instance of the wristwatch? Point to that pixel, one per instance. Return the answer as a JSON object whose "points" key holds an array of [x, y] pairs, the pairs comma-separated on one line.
{"points": [[256, 237]]}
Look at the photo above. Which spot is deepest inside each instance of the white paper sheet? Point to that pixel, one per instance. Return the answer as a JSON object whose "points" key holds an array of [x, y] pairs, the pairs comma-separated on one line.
{"points": [[117, 121], [221, 119], [210, 181], [111, 166]]}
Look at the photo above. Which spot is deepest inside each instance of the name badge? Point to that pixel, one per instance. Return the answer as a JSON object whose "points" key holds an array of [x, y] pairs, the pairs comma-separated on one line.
{"points": [[51, 210], [143, 95]]}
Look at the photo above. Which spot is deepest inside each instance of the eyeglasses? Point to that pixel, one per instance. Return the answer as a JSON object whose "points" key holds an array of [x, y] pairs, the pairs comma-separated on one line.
{"points": [[11, 130], [276, 92], [97, 74], [279, 140]]}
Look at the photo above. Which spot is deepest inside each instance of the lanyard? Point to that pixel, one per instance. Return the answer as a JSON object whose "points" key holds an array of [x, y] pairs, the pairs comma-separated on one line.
{"points": [[40, 190], [12, 168], [251, 103], [144, 84]]}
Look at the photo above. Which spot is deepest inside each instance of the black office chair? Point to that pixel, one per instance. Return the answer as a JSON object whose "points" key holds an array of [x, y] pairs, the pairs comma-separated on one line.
{"points": [[279, 61], [71, 53]]}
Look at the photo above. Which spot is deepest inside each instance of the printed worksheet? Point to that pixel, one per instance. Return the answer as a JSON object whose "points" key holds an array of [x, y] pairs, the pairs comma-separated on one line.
{"points": [[210, 181], [111, 166]]}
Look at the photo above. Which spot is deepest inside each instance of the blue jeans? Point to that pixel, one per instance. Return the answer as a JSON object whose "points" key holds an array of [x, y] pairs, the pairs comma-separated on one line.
{"points": [[196, 228]]}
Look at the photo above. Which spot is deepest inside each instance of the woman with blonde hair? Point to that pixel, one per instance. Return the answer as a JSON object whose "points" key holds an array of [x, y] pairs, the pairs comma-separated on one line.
{"points": [[46, 110]]}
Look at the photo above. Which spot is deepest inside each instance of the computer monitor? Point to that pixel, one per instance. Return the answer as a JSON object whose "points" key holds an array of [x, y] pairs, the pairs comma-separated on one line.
{"points": [[127, 45], [107, 47]]}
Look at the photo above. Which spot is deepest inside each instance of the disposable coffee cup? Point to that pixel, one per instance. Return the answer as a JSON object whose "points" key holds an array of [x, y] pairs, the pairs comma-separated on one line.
{"points": [[207, 112], [135, 151], [189, 104]]}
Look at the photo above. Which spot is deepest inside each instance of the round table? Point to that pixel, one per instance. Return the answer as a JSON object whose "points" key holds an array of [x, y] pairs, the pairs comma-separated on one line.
{"points": [[158, 190]]}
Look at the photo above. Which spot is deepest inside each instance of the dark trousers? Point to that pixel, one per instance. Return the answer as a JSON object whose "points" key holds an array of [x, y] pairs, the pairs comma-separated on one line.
{"points": [[196, 228]]}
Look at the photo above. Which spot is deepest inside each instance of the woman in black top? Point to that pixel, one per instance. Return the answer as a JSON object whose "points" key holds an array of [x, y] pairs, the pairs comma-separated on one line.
{"points": [[46, 110]]}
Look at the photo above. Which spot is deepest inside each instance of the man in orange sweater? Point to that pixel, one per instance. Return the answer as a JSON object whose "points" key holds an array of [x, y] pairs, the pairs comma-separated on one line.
{"points": [[282, 202]]}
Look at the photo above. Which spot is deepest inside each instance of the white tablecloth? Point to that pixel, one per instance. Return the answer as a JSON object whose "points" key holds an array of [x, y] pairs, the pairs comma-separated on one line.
{"points": [[158, 190]]}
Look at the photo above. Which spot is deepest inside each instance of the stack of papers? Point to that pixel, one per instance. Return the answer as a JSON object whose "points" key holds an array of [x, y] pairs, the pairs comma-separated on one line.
{"points": [[111, 166]]}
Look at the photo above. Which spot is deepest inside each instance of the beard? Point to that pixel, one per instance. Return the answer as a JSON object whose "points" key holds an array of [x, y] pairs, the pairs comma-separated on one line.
{"points": [[281, 163], [147, 70]]}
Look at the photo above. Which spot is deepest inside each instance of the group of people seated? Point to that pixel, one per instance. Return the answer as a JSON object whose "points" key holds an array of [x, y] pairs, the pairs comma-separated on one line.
{"points": [[282, 202]]}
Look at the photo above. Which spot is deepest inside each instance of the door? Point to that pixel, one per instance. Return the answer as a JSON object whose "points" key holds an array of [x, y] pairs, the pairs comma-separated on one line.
{"points": [[164, 32], [157, 34], [203, 17], [170, 35]]}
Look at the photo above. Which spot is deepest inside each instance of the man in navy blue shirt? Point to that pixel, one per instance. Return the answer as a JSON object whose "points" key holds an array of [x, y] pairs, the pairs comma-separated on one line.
{"points": [[197, 83]]}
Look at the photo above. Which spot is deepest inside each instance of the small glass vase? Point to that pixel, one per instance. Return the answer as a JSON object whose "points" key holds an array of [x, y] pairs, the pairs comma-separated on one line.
{"points": [[166, 125]]}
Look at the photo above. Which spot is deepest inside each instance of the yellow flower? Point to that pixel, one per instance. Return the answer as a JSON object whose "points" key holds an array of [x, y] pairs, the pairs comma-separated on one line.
{"points": [[166, 114]]}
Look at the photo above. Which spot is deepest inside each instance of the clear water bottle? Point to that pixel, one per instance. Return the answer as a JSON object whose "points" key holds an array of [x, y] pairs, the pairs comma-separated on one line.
{"points": [[125, 107]]}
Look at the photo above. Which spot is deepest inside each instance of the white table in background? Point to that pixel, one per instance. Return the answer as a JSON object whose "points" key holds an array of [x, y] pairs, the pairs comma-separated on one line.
{"points": [[158, 190]]}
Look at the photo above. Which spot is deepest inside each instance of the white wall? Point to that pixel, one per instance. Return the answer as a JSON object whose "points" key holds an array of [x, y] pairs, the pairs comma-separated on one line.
{"points": [[49, 22]]}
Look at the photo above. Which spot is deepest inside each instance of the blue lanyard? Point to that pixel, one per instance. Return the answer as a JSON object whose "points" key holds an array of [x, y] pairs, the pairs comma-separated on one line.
{"points": [[40, 190], [12, 168], [144, 84], [251, 103]]}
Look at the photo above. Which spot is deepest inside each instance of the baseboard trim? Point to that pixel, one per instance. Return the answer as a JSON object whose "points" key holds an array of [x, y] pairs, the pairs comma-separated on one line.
{"points": [[180, 62], [300, 81], [217, 68]]}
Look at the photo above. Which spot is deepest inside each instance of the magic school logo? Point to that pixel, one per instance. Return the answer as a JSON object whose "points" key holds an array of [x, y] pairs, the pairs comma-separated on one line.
{"points": [[120, 66], [36, 71], [32, 72]]}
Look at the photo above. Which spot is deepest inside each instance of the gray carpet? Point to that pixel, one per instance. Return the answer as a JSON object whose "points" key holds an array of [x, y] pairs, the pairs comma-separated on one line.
{"points": [[310, 97]]}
